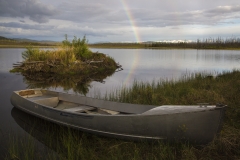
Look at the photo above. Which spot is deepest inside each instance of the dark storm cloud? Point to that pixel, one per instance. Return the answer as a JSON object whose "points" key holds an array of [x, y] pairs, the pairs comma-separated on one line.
{"points": [[33, 9]]}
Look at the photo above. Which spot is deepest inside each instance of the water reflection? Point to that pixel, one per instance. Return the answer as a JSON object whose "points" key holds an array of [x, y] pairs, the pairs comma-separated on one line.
{"points": [[41, 130], [77, 83], [59, 139]]}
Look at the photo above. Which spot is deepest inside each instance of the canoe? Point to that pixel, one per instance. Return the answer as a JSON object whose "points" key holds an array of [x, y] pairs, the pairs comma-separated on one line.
{"points": [[197, 124]]}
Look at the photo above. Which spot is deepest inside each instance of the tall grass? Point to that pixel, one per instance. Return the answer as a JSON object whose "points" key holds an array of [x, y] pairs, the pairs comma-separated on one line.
{"points": [[69, 52], [64, 143], [73, 145], [15, 148], [191, 89]]}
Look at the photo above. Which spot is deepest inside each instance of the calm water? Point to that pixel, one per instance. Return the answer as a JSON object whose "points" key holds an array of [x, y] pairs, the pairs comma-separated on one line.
{"points": [[138, 64]]}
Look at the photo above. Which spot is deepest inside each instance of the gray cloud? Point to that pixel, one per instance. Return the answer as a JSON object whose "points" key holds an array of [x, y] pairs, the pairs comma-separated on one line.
{"points": [[220, 10], [76, 31], [198, 17], [102, 15], [33, 9], [25, 26], [83, 12]]}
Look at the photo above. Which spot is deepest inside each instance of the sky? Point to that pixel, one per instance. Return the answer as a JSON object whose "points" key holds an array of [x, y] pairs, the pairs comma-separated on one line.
{"points": [[120, 20]]}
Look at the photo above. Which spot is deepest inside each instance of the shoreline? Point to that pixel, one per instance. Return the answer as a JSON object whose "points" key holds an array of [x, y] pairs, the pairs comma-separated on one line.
{"points": [[119, 47]]}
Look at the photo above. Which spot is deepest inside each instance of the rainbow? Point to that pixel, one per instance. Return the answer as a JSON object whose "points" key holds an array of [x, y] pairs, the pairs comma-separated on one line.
{"points": [[131, 20], [129, 78], [130, 75]]}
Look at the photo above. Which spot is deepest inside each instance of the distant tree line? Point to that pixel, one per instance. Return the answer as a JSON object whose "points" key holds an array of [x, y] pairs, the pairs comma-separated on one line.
{"points": [[209, 43]]}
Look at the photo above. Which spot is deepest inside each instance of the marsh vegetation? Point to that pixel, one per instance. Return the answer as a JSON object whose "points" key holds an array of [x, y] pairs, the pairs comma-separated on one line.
{"points": [[191, 89]]}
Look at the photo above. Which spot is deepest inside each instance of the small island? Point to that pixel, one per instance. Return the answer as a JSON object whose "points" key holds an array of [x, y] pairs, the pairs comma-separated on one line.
{"points": [[71, 58]]}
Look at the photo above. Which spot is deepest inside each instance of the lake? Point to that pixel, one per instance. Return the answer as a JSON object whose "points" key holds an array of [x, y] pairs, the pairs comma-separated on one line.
{"points": [[138, 64]]}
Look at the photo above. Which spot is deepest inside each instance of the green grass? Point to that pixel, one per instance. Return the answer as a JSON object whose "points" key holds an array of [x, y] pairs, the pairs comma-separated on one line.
{"points": [[191, 89]]}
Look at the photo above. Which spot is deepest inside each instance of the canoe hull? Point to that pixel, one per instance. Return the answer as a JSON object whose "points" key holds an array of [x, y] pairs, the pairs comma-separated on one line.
{"points": [[195, 127]]}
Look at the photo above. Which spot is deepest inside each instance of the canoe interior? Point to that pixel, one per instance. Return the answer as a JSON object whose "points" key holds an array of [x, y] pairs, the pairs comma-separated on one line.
{"points": [[87, 105], [54, 100]]}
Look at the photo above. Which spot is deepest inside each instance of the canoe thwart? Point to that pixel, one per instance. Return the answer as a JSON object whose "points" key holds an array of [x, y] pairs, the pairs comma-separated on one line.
{"points": [[110, 111], [79, 109], [203, 104]]}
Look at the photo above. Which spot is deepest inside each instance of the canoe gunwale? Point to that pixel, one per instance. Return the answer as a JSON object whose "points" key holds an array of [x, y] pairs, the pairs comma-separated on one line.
{"points": [[204, 109]]}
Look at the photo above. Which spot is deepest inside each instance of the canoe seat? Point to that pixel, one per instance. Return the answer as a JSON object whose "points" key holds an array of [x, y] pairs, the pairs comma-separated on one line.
{"points": [[79, 109], [50, 102], [30, 93]]}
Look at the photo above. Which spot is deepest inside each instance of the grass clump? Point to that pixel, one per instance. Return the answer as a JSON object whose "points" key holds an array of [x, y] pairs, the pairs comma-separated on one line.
{"points": [[72, 57]]}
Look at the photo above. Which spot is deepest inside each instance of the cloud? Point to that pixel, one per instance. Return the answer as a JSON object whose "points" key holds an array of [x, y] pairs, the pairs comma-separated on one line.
{"points": [[102, 15], [220, 10], [25, 26], [83, 11], [35, 10], [217, 15], [60, 30], [106, 19]]}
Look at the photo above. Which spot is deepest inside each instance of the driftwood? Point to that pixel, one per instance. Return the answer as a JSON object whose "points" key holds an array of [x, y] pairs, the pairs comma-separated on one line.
{"points": [[36, 65], [119, 69], [89, 62]]}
